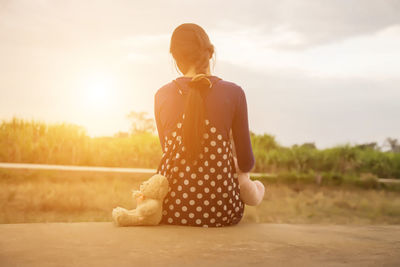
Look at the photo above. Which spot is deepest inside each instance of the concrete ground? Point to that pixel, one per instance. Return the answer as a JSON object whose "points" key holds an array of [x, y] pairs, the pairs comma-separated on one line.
{"points": [[246, 244]]}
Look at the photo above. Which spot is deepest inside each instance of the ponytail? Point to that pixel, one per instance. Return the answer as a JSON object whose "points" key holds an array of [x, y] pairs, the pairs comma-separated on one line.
{"points": [[194, 119]]}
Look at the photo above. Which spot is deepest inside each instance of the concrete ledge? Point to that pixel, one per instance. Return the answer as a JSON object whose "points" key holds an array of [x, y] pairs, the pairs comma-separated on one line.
{"points": [[103, 244]]}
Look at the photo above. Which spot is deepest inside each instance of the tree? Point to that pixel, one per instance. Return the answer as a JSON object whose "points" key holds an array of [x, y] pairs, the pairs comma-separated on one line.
{"points": [[140, 123], [393, 144], [121, 134], [309, 145], [372, 145]]}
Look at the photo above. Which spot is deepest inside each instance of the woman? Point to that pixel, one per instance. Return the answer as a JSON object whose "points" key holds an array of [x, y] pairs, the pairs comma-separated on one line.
{"points": [[196, 115]]}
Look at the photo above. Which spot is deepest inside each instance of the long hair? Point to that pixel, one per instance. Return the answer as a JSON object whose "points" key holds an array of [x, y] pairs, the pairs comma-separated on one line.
{"points": [[191, 47]]}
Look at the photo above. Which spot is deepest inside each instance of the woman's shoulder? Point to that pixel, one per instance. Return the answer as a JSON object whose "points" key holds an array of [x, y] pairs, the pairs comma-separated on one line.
{"points": [[164, 92], [229, 86], [232, 89], [165, 88]]}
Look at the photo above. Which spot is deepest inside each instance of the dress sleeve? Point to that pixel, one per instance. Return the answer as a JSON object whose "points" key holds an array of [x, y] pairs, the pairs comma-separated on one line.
{"points": [[241, 134], [157, 119]]}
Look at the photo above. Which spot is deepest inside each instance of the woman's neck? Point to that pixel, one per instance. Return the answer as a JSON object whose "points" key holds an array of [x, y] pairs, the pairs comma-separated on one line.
{"points": [[192, 72]]}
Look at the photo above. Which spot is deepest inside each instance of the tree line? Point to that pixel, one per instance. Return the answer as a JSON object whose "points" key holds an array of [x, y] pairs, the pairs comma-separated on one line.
{"points": [[30, 141]]}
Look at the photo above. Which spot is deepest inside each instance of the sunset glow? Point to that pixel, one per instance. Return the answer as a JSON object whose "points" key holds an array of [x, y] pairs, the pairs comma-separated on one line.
{"points": [[301, 73], [99, 92]]}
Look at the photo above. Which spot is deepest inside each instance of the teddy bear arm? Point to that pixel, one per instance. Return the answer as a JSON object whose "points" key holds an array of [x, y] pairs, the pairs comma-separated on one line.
{"points": [[149, 207], [135, 195]]}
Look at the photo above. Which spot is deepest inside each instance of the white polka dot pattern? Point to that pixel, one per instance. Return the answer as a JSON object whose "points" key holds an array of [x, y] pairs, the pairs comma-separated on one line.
{"points": [[206, 193]]}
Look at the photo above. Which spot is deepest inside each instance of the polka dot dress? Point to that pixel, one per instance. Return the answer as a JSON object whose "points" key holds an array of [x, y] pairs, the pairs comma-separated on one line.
{"points": [[204, 194]]}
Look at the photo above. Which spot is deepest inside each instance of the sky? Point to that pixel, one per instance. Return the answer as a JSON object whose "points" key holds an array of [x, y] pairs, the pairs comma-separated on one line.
{"points": [[326, 72]]}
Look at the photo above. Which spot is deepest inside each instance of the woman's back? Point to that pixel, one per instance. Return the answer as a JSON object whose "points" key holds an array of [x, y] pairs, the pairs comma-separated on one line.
{"points": [[204, 193]]}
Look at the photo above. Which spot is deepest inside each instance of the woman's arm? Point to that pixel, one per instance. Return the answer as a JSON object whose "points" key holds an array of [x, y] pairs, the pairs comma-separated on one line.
{"points": [[251, 192], [157, 118], [241, 134]]}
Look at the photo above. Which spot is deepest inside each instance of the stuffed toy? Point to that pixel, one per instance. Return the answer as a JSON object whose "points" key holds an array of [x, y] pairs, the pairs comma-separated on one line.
{"points": [[148, 201]]}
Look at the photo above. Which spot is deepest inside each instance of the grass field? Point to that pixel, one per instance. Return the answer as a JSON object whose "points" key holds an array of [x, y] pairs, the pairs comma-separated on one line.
{"points": [[61, 196]]}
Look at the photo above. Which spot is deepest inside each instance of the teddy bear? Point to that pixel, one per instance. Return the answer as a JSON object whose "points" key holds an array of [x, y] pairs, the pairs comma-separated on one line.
{"points": [[148, 201]]}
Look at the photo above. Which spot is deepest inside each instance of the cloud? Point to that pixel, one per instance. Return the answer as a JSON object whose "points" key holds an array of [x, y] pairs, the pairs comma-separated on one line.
{"points": [[291, 24], [375, 55], [304, 24], [297, 108]]}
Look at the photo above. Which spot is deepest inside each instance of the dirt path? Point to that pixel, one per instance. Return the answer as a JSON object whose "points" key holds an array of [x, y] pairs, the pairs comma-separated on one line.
{"points": [[103, 244]]}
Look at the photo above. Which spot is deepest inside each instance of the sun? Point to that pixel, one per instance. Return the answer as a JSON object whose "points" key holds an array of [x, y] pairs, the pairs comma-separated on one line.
{"points": [[98, 102], [99, 92]]}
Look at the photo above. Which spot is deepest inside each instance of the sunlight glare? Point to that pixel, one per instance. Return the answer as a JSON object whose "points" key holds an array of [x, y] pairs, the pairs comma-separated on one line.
{"points": [[99, 92]]}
